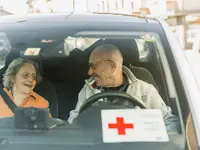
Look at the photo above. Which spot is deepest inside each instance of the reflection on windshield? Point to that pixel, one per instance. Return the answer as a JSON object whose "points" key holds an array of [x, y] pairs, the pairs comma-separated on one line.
{"points": [[5, 47], [55, 43], [59, 75], [80, 43]]}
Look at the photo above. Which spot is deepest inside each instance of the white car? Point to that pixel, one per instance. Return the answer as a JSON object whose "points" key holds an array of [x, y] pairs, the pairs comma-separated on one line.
{"points": [[62, 42]]}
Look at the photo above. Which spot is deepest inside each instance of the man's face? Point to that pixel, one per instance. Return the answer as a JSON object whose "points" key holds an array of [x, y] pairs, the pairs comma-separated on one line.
{"points": [[101, 70]]}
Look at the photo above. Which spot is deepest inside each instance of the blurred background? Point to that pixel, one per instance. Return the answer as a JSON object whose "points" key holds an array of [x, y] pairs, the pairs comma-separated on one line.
{"points": [[183, 16]]}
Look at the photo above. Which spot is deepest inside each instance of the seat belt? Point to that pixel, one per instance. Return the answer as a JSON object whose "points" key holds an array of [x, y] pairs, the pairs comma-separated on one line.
{"points": [[8, 101]]}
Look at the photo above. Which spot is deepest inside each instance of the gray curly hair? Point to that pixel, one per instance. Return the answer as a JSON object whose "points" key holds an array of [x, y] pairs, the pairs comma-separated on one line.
{"points": [[14, 67]]}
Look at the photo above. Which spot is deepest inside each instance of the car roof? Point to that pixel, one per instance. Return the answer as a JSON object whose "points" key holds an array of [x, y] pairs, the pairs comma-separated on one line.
{"points": [[73, 22], [76, 17]]}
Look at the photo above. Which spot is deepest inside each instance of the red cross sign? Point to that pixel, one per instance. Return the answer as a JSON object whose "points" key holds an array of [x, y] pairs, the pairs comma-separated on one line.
{"points": [[121, 126], [133, 125]]}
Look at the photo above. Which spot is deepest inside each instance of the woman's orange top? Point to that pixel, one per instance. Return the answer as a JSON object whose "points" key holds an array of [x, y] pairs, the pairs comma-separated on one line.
{"points": [[34, 100]]}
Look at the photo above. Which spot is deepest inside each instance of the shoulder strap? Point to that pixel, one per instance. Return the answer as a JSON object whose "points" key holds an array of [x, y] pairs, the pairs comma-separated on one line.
{"points": [[7, 99]]}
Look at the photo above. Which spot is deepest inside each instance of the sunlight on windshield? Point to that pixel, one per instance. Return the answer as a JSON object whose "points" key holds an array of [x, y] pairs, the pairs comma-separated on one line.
{"points": [[80, 43], [5, 47]]}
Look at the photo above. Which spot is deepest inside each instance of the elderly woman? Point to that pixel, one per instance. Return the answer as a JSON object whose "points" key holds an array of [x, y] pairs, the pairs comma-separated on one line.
{"points": [[19, 81]]}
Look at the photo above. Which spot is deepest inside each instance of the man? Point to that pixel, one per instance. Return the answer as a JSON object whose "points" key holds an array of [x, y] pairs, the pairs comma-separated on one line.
{"points": [[106, 67]]}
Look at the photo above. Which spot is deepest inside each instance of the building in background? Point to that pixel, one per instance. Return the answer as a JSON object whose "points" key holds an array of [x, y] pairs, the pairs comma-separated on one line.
{"points": [[185, 20], [4, 12], [155, 7], [42, 6], [193, 19], [180, 14], [176, 18]]}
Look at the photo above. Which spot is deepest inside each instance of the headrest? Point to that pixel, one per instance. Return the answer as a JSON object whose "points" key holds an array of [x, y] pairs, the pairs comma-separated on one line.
{"points": [[13, 54], [128, 48]]}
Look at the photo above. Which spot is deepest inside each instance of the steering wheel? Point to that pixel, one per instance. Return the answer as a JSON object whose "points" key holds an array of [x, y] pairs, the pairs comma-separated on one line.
{"points": [[123, 95]]}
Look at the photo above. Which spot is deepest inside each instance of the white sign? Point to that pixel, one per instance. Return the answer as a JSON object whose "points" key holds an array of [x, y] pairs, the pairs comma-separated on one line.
{"points": [[133, 125]]}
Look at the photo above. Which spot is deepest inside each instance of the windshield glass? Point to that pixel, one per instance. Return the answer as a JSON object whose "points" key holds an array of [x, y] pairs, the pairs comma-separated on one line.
{"points": [[55, 44], [67, 67]]}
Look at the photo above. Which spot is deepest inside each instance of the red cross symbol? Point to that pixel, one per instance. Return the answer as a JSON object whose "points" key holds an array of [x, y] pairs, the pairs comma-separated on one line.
{"points": [[121, 126]]}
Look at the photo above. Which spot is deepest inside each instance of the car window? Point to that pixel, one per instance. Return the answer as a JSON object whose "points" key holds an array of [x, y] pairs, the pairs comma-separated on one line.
{"points": [[143, 50], [83, 43], [53, 42], [5, 47], [80, 43], [68, 74]]}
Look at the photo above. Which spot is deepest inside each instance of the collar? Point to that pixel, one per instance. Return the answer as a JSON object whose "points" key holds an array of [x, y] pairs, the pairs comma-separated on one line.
{"points": [[130, 76], [8, 92]]}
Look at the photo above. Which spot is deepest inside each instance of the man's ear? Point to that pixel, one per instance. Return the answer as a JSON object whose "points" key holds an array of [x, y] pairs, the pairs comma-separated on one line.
{"points": [[113, 66]]}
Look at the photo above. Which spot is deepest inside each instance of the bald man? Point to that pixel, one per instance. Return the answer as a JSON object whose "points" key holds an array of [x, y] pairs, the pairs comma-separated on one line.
{"points": [[108, 74]]}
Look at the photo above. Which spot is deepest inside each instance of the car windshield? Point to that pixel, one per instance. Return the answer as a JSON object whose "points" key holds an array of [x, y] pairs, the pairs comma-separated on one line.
{"points": [[63, 58], [57, 44]]}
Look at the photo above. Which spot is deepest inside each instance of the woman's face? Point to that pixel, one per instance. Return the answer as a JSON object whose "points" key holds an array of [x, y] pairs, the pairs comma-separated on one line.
{"points": [[25, 79]]}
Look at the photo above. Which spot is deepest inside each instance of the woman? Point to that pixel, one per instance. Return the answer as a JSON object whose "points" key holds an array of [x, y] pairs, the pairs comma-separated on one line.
{"points": [[19, 81]]}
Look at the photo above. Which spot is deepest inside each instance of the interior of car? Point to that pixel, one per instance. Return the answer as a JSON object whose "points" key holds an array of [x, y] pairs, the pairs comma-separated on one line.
{"points": [[64, 77]]}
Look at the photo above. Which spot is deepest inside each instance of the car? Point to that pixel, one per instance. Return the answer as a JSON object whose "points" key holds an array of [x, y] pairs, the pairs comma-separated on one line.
{"points": [[62, 42]]}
